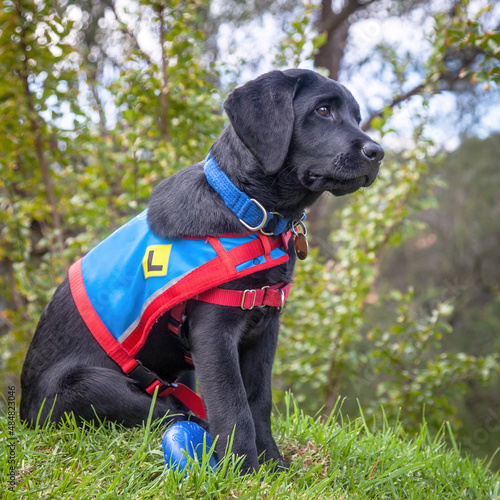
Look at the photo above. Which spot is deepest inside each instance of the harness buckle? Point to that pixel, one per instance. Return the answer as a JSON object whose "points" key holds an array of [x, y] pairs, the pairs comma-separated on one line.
{"points": [[146, 377], [244, 297], [264, 218]]}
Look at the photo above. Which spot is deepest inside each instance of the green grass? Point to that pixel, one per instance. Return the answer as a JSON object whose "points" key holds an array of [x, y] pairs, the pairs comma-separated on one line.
{"points": [[331, 459]]}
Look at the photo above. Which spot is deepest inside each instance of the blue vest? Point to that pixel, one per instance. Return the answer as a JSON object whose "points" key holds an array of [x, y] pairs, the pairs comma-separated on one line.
{"points": [[130, 279]]}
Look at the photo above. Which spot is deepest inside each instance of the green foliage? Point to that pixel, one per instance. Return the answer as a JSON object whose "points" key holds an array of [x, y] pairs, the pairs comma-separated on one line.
{"points": [[332, 458], [191, 115], [417, 377], [453, 258], [300, 41], [38, 86], [67, 182], [467, 35], [324, 324]]}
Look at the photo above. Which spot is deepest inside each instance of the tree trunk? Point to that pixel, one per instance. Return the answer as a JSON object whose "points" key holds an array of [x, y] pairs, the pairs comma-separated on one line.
{"points": [[330, 55], [17, 301], [336, 26], [164, 80], [37, 136]]}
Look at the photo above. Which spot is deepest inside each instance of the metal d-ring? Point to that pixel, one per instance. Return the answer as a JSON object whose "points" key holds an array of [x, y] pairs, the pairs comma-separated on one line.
{"points": [[282, 305], [264, 219], [270, 234], [297, 223]]}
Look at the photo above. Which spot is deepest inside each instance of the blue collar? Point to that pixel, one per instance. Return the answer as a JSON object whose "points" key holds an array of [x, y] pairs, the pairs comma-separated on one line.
{"points": [[248, 210]]}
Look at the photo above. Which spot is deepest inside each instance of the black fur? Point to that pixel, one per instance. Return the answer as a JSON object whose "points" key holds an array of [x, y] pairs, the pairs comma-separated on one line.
{"points": [[292, 136]]}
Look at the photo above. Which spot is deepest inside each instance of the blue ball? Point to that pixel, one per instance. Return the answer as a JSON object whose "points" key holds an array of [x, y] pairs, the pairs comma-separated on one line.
{"points": [[184, 439]]}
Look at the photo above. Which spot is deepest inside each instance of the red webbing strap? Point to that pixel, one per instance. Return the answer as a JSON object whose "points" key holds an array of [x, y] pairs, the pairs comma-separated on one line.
{"points": [[176, 314], [123, 354], [223, 255], [266, 244], [263, 245], [285, 237], [274, 296], [184, 394], [112, 347]]}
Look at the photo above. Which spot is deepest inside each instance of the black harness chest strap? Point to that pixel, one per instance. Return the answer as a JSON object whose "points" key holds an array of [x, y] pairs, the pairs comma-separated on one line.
{"points": [[150, 381]]}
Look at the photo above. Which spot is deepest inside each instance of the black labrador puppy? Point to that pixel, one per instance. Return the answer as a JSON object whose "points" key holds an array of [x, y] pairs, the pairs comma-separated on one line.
{"points": [[292, 135]]}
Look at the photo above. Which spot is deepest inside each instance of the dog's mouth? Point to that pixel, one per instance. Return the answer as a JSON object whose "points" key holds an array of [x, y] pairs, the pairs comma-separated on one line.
{"points": [[338, 186], [350, 185]]}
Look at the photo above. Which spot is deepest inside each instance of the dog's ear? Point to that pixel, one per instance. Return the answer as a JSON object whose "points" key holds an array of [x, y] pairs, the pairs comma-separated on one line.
{"points": [[261, 113]]}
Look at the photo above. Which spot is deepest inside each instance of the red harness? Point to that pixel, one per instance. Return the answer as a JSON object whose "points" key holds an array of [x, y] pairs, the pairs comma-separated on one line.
{"points": [[194, 287]]}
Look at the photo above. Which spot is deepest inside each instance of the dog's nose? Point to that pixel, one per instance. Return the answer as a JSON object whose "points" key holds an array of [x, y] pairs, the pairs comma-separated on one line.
{"points": [[373, 152]]}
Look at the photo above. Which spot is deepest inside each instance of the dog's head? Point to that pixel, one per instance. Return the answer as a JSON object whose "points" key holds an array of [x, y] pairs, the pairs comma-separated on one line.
{"points": [[305, 128]]}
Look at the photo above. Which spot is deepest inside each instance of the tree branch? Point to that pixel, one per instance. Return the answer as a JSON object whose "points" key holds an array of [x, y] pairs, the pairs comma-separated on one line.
{"points": [[397, 100], [468, 56], [100, 109], [333, 20], [17, 301]]}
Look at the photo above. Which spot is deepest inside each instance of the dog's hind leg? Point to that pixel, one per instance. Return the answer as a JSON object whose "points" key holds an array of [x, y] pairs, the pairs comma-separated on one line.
{"points": [[91, 393]]}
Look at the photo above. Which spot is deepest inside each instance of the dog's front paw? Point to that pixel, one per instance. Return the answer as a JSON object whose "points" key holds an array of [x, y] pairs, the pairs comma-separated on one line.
{"points": [[282, 465], [278, 464]]}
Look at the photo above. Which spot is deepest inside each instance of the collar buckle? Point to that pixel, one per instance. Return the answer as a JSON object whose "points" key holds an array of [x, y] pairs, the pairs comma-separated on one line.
{"points": [[264, 217]]}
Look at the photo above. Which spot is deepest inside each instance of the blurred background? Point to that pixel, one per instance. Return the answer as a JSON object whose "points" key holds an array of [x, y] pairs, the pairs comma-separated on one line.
{"points": [[396, 312]]}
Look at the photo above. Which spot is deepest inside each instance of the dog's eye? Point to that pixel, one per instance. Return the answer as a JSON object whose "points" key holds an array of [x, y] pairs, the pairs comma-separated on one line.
{"points": [[323, 111]]}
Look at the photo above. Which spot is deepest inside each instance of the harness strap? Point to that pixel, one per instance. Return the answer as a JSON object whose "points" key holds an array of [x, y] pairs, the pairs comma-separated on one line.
{"points": [[113, 349], [183, 393], [123, 353], [273, 296]]}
